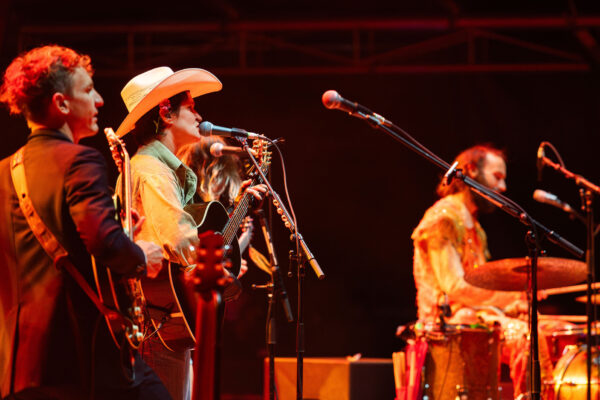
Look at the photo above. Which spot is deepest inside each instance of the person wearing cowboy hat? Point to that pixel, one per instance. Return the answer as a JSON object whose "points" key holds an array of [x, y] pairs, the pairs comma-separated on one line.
{"points": [[162, 119]]}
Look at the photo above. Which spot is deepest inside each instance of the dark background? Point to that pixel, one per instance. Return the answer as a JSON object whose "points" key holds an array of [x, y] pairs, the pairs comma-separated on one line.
{"points": [[356, 192]]}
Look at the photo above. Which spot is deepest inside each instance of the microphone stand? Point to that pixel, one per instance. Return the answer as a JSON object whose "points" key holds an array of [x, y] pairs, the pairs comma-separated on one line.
{"points": [[587, 191], [504, 203], [301, 257], [276, 289]]}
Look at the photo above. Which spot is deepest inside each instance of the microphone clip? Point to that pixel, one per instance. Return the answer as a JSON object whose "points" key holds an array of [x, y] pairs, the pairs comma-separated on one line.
{"points": [[452, 173]]}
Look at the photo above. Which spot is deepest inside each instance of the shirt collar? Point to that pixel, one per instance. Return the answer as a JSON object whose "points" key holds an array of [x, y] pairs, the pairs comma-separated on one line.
{"points": [[56, 134], [187, 178]]}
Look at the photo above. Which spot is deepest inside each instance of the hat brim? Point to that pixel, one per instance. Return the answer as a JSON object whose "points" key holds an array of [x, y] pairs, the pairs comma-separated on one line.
{"points": [[197, 81]]}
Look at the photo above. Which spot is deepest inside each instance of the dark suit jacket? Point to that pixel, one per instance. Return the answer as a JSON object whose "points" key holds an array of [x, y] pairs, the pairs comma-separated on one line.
{"points": [[51, 334]]}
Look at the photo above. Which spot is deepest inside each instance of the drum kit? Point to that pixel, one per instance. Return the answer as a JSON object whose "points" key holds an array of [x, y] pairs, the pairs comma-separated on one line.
{"points": [[463, 361]]}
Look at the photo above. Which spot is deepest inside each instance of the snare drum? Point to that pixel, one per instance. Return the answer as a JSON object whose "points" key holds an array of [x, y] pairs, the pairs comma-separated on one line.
{"points": [[462, 361], [570, 375]]}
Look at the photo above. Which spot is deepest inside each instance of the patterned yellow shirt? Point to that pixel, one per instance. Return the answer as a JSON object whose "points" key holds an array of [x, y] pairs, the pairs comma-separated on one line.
{"points": [[447, 242]]}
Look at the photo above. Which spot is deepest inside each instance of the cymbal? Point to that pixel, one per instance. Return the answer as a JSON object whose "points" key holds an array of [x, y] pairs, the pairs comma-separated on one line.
{"points": [[510, 274], [583, 299]]}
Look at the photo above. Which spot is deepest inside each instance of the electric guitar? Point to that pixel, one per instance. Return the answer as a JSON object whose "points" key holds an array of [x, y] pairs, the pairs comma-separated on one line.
{"points": [[117, 292], [170, 308]]}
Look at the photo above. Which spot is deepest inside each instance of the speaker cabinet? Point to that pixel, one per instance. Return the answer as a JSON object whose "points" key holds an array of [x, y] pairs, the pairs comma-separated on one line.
{"points": [[333, 379]]}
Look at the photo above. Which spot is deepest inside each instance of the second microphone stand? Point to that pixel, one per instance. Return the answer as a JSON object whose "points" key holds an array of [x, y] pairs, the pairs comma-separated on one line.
{"points": [[302, 255], [275, 290]]}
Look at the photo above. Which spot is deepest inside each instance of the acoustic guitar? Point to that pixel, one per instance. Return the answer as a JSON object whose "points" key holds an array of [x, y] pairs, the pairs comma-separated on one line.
{"points": [[171, 309]]}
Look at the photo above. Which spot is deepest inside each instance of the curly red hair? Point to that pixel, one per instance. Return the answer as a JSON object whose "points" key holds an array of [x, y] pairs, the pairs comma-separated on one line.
{"points": [[31, 79]]}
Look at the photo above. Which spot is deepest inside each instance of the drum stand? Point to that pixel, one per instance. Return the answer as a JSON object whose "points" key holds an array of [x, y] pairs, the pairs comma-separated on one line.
{"points": [[590, 309], [534, 251], [504, 203]]}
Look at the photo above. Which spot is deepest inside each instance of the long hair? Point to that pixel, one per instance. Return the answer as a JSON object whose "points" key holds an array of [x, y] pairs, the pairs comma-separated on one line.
{"points": [[219, 178], [31, 79], [468, 160]]}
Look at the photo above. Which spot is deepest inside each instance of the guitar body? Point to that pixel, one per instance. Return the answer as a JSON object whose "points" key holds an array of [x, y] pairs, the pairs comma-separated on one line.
{"points": [[171, 307], [212, 216], [123, 295], [171, 302]]}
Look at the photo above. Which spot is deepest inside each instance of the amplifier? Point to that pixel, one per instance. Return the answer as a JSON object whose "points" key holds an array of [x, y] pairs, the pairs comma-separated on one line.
{"points": [[333, 379]]}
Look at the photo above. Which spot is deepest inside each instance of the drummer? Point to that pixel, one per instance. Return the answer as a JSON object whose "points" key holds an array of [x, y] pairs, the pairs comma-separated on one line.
{"points": [[449, 241]]}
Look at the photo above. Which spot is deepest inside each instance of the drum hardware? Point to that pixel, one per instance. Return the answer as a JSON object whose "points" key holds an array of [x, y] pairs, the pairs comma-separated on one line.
{"points": [[583, 299], [570, 289]]}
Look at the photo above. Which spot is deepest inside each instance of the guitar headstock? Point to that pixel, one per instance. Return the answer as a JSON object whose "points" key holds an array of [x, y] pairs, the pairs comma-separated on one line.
{"points": [[117, 148], [261, 149], [210, 271]]}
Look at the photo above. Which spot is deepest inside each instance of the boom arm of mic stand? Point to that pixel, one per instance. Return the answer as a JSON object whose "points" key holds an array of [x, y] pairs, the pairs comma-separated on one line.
{"points": [[525, 218], [579, 180], [312, 261]]}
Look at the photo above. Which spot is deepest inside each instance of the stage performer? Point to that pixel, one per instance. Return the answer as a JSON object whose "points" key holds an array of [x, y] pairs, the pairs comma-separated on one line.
{"points": [[449, 241], [163, 118], [54, 343], [219, 179]]}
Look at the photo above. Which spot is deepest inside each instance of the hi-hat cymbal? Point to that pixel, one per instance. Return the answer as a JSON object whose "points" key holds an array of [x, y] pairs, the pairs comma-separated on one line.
{"points": [[510, 274], [583, 299]]}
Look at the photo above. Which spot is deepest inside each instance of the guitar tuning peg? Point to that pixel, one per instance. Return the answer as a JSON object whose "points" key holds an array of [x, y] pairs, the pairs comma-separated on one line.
{"points": [[287, 224], [275, 203], [279, 211]]}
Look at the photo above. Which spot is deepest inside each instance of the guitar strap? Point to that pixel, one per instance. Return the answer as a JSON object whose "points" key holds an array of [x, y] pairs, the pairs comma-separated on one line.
{"points": [[53, 248]]}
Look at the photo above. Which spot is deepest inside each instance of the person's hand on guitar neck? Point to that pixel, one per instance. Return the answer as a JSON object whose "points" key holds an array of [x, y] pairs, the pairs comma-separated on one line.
{"points": [[259, 192]]}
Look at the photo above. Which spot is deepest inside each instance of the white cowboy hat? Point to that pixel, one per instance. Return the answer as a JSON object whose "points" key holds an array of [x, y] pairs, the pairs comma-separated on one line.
{"points": [[147, 90]]}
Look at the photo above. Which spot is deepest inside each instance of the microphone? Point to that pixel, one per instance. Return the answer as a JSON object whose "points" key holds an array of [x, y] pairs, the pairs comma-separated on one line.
{"points": [[207, 129], [332, 100], [540, 163], [219, 149], [545, 197]]}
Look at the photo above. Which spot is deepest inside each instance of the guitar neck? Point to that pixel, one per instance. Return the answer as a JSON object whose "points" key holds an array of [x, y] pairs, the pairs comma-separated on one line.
{"points": [[236, 218], [240, 211], [127, 200]]}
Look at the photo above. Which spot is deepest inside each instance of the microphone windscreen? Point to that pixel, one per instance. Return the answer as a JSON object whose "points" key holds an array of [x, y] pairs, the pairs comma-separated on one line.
{"points": [[205, 128], [216, 149], [331, 99]]}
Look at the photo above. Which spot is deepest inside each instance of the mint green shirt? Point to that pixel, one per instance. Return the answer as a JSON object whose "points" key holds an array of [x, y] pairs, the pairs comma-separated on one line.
{"points": [[161, 186]]}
